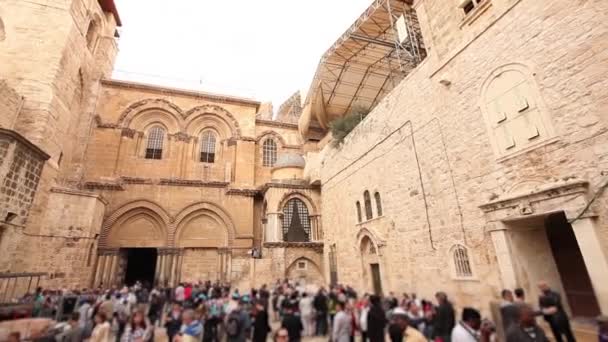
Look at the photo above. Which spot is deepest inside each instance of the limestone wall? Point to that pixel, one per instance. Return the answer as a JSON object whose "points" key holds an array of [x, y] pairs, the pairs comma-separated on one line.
{"points": [[438, 163], [10, 105]]}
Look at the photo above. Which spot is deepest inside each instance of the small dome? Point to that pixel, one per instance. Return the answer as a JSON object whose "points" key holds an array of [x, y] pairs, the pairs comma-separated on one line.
{"points": [[290, 160]]}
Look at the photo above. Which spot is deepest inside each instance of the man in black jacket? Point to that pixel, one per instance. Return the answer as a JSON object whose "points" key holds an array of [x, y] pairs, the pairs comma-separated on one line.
{"points": [[444, 318], [550, 304], [376, 320], [320, 305], [526, 329]]}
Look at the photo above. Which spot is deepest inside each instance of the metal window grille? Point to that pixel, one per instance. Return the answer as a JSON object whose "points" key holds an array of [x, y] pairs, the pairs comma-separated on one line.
{"points": [[461, 262], [378, 203], [269, 152], [154, 149], [208, 147], [303, 215], [359, 218], [368, 205]]}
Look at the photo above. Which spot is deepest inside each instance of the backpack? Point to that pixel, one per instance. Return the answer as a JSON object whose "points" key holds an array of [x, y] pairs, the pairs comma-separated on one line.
{"points": [[233, 324]]}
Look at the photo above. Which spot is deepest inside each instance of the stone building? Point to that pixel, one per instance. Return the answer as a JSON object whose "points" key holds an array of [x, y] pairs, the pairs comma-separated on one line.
{"points": [[482, 164], [142, 182], [484, 168]]}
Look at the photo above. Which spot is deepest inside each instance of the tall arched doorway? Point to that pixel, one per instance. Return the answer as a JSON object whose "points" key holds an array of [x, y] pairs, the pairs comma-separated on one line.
{"points": [[371, 265]]}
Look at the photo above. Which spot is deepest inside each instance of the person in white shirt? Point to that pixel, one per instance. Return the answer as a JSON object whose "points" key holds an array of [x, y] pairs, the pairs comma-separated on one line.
{"points": [[363, 318], [180, 293], [469, 329], [307, 314]]}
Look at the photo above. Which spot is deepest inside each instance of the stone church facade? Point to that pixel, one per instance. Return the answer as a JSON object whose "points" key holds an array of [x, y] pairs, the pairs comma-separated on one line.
{"points": [[482, 168]]}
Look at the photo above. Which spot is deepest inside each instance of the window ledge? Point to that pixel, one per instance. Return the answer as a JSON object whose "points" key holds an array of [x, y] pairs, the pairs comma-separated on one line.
{"points": [[476, 13], [468, 279], [370, 220], [527, 149]]}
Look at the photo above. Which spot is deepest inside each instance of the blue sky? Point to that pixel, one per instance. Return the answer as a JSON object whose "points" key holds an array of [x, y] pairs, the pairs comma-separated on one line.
{"points": [[263, 49]]}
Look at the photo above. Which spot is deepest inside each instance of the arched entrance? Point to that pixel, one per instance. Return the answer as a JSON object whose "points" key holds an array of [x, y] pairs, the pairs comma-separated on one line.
{"points": [[305, 272], [204, 234], [371, 265], [129, 246]]}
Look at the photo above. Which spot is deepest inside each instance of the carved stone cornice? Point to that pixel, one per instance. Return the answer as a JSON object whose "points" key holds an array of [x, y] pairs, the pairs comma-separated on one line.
{"points": [[136, 180], [302, 186], [193, 183], [128, 132], [316, 246], [104, 186], [242, 192], [568, 196], [181, 136]]}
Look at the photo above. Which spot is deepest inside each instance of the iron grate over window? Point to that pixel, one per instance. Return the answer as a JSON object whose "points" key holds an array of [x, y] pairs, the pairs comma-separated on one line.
{"points": [[296, 221], [208, 147], [461, 262], [269, 153], [154, 148]]}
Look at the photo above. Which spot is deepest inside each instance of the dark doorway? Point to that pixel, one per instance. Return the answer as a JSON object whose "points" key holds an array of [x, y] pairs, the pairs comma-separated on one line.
{"points": [[571, 267], [377, 282], [141, 265]]}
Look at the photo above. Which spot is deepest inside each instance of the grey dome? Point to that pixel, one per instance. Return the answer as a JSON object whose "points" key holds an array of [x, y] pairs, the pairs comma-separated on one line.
{"points": [[290, 160]]}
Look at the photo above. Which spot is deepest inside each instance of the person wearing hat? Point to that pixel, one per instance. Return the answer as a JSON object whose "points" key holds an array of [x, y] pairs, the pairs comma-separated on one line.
{"points": [[602, 322], [401, 330]]}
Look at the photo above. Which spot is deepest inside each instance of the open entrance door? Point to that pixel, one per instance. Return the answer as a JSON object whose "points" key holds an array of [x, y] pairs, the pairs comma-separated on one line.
{"points": [[571, 267], [141, 265], [376, 280]]}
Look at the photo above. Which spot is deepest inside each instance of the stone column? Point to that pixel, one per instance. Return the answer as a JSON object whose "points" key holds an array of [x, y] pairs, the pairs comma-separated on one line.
{"points": [[180, 261], [273, 228], [102, 270], [162, 278], [503, 255], [175, 259], [112, 269], [98, 270], [157, 269], [586, 232]]}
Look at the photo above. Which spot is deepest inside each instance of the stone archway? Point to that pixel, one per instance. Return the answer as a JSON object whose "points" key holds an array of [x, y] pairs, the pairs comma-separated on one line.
{"points": [[305, 271], [203, 235], [371, 267]]}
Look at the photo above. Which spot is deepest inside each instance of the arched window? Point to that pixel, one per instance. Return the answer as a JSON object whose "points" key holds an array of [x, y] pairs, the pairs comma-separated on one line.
{"points": [[359, 211], [368, 205], [378, 204], [154, 149], [462, 264], [208, 147], [2, 32], [270, 152], [92, 33], [296, 221]]}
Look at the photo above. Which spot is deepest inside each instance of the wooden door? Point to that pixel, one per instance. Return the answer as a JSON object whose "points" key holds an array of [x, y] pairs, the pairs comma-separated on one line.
{"points": [[376, 280], [571, 267]]}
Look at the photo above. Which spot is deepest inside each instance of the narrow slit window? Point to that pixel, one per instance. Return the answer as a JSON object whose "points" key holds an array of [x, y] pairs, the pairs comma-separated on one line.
{"points": [[368, 205], [208, 147], [378, 203], [359, 218]]}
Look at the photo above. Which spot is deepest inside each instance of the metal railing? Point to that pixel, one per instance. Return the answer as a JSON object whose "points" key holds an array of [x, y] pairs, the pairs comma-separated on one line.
{"points": [[12, 284]]}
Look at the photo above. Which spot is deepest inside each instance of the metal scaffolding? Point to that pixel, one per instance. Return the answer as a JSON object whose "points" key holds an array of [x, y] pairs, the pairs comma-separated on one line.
{"points": [[365, 63]]}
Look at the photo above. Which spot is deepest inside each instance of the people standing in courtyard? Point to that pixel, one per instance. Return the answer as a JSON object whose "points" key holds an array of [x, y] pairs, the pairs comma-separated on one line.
{"points": [[137, 330], [238, 323], [101, 332], [401, 327], [509, 311], [444, 318], [470, 329], [307, 314], [73, 332], [520, 295], [341, 327], [191, 329], [525, 329], [550, 304], [376, 320], [363, 314], [261, 325], [173, 320], [292, 323], [320, 305]]}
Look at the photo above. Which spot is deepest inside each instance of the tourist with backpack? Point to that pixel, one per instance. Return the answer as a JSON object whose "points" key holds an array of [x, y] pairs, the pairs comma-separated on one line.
{"points": [[237, 325]]}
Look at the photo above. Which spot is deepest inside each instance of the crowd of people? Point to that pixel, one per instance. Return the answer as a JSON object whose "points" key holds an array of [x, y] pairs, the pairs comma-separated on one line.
{"points": [[213, 312]]}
